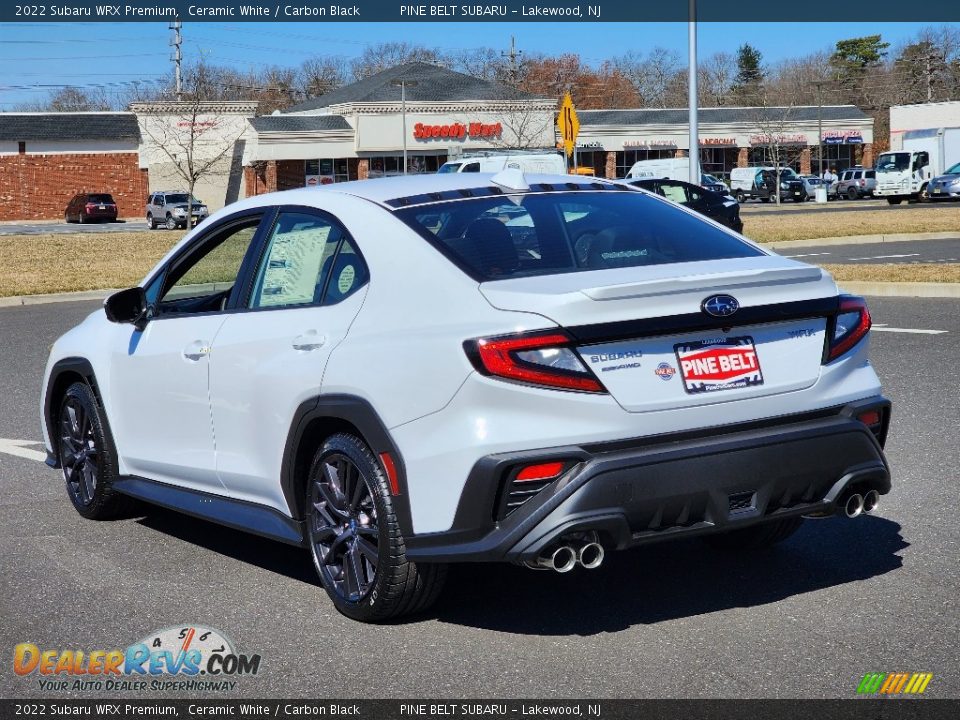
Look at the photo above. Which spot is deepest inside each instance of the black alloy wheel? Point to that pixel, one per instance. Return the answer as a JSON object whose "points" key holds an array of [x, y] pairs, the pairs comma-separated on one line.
{"points": [[344, 532], [85, 448], [79, 453], [355, 538]]}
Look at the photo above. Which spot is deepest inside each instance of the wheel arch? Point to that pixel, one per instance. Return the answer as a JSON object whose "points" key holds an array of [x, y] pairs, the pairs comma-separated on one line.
{"points": [[65, 373], [317, 419]]}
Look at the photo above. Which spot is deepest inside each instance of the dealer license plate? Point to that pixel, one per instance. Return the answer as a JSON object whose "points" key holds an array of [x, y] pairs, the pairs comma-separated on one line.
{"points": [[721, 364]]}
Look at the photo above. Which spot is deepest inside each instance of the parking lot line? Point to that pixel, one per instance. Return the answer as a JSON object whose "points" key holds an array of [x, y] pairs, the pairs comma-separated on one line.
{"points": [[913, 331], [15, 448]]}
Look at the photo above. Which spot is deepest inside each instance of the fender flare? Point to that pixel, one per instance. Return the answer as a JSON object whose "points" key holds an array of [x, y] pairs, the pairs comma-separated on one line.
{"points": [[82, 367], [339, 408]]}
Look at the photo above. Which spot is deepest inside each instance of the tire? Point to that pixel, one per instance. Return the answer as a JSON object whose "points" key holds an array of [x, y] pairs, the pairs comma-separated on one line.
{"points": [[756, 536], [151, 223], [852, 194], [87, 456], [349, 508], [924, 195], [171, 223], [80, 218], [894, 201], [740, 197], [66, 218]]}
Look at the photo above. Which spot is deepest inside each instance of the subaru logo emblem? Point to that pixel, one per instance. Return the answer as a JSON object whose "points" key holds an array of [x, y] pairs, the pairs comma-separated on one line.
{"points": [[720, 305]]}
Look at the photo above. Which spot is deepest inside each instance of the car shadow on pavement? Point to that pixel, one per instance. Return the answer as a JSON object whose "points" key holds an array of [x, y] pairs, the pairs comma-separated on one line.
{"points": [[656, 583], [669, 580], [272, 555]]}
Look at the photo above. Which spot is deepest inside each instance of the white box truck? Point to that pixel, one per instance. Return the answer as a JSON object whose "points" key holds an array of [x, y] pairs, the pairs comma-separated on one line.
{"points": [[905, 174], [538, 163], [673, 169]]}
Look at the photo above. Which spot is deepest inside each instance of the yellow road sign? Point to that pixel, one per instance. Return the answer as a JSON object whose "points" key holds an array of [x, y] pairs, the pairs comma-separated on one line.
{"points": [[568, 124]]}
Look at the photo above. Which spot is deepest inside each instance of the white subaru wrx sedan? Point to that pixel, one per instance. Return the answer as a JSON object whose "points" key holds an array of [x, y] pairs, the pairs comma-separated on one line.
{"points": [[403, 373]]}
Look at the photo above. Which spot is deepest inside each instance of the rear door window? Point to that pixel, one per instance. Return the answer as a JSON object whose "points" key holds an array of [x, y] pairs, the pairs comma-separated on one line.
{"points": [[546, 233]]}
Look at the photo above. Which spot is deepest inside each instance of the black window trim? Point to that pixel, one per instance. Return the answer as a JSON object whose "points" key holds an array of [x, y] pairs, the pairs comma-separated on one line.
{"points": [[265, 214]]}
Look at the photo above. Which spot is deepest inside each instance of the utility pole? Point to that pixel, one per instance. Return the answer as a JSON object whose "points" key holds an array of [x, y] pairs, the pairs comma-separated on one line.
{"points": [[176, 41], [819, 86], [694, 120], [513, 56]]}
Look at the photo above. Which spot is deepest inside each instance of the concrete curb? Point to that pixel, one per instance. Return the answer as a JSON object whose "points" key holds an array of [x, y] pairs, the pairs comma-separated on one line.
{"points": [[901, 289], [861, 239], [18, 300]]}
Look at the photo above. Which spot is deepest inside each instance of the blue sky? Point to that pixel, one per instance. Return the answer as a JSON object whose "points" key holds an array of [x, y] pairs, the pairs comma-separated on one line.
{"points": [[47, 54]]}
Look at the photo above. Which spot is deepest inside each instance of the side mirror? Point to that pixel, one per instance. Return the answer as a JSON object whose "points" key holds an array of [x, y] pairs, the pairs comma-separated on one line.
{"points": [[126, 306]]}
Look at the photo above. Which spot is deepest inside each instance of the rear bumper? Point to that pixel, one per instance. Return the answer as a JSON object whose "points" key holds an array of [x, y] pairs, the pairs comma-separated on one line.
{"points": [[634, 492]]}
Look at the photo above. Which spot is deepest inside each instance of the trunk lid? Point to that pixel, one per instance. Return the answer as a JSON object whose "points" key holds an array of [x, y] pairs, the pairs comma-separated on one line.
{"points": [[645, 335]]}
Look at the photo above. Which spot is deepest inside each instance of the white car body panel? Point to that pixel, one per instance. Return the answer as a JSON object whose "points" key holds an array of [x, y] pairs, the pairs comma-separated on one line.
{"points": [[398, 344]]}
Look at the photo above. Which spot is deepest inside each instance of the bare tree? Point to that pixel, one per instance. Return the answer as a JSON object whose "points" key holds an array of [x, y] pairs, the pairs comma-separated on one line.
{"points": [[716, 76], [779, 147], [319, 75], [195, 136], [71, 99], [650, 75], [381, 56]]}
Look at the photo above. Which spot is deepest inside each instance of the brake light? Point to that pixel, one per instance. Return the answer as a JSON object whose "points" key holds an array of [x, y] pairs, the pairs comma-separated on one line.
{"points": [[537, 358], [863, 183], [849, 327]]}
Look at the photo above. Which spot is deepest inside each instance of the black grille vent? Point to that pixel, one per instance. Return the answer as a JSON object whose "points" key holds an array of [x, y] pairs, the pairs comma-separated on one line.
{"points": [[518, 493], [741, 501]]}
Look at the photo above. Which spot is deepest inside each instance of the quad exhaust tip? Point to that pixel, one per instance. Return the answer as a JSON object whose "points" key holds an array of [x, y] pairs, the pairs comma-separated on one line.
{"points": [[853, 506], [562, 560], [870, 501], [591, 555]]}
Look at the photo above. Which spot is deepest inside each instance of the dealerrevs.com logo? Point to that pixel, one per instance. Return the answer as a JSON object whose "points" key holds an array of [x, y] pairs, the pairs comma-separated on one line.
{"points": [[190, 657]]}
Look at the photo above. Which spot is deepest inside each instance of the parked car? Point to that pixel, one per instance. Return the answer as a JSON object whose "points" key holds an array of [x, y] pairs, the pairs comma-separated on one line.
{"points": [[946, 186], [171, 210], [399, 375], [90, 207], [761, 183], [810, 184], [673, 169], [722, 208], [713, 183], [854, 183]]}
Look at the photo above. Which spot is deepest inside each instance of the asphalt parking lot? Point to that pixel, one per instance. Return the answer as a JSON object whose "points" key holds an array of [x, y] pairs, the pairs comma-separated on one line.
{"points": [[907, 252], [62, 228], [805, 619]]}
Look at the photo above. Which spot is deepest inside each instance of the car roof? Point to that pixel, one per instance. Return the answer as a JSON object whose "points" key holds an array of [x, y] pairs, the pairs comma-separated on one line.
{"points": [[384, 190]]}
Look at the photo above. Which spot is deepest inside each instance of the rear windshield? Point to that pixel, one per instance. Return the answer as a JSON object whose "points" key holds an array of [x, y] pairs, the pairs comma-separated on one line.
{"points": [[99, 198], [495, 238]]}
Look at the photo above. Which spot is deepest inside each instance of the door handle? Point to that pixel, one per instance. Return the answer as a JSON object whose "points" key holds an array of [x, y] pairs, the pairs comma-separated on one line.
{"points": [[196, 350], [309, 341]]}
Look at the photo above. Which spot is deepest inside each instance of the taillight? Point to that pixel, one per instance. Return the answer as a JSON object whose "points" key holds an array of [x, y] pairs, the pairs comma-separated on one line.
{"points": [[537, 358], [849, 327], [863, 183]]}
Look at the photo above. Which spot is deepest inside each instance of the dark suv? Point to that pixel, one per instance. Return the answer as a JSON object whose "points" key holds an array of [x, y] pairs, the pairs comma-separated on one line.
{"points": [[89, 207]]}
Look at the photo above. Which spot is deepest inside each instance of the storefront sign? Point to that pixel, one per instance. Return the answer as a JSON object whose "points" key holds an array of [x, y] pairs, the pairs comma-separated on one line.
{"points": [[839, 137], [631, 144], [713, 142], [778, 139], [457, 131]]}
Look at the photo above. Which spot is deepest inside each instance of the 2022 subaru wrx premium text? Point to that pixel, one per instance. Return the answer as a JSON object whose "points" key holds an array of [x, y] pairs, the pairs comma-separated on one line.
{"points": [[398, 374]]}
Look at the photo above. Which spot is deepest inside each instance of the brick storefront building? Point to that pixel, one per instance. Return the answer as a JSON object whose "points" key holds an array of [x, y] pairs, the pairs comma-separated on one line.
{"points": [[357, 132], [46, 158]]}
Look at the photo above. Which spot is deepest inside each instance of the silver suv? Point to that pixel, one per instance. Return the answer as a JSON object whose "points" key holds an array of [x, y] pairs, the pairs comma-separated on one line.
{"points": [[169, 209], [855, 183]]}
